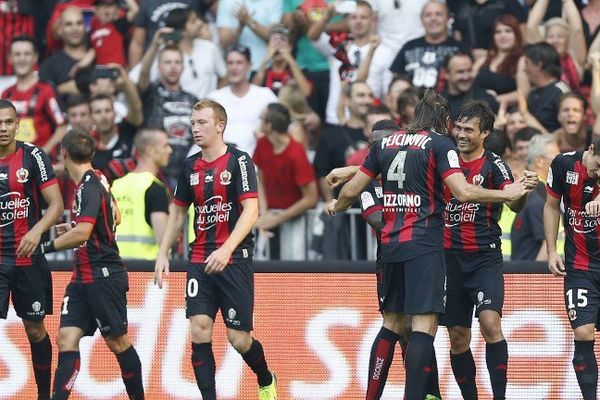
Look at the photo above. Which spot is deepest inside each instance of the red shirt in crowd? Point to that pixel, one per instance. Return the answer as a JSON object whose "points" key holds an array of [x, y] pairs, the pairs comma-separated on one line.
{"points": [[12, 23], [108, 40], [38, 111], [283, 174]]}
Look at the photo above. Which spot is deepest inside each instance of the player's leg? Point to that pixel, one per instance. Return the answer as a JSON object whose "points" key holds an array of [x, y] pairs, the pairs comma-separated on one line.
{"points": [[69, 361], [32, 298], [462, 362], [129, 363], [425, 278], [201, 309], [253, 354], [496, 351], [584, 361]]}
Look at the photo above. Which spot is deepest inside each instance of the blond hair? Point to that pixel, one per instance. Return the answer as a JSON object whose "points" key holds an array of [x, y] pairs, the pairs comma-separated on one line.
{"points": [[219, 113]]}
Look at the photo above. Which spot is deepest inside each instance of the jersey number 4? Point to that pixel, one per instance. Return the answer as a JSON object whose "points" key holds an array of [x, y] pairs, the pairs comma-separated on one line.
{"points": [[396, 170]]}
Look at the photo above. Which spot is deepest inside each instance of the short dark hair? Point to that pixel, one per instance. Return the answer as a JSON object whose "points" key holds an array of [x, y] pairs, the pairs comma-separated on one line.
{"points": [[546, 55], [378, 109], [410, 97], [75, 100], [79, 145], [239, 48], [497, 142], [431, 112], [385, 125], [480, 110], [102, 96], [458, 53], [4, 104], [572, 95], [24, 38], [278, 116], [525, 134]]}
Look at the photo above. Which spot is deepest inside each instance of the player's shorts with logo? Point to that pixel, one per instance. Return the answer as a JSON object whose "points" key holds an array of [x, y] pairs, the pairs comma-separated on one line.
{"points": [[582, 297], [232, 291], [30, 288], [101, 304], [474, 279], [414, 286]]}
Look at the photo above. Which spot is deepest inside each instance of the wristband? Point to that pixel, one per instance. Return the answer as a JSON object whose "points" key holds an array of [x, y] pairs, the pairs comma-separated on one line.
{"points": [[47, 247]]}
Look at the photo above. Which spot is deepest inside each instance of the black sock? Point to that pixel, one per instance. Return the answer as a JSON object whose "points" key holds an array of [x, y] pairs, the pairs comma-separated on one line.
{"points": [[382, 354], [203, 362], [41, 357], [463, 367], [496, 358], [255, 358], [131, 372], [433, 382], [65, 375], [586, 368], [417, 364]]}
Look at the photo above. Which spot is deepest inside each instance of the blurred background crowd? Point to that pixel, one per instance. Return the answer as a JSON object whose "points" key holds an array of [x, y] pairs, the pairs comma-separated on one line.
{"points": [[303, 82]]}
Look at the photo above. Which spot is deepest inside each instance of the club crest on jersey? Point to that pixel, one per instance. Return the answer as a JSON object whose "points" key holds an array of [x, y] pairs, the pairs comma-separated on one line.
{"points": [[572, 177], [572, 314], [225, 178], [22, 175], [478, 180], [194, 179]]}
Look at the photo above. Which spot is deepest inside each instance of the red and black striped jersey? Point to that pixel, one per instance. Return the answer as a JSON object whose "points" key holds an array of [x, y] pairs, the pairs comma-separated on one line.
{"points": [[413, 167], [23, 175], [474, 226], [98, 257], [216, 189], [568, 180], [371, 200], [12, 24]]}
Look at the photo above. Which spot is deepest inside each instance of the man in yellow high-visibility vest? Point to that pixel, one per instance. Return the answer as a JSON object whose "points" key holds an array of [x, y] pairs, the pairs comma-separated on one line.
{"points": [[143, 199]]}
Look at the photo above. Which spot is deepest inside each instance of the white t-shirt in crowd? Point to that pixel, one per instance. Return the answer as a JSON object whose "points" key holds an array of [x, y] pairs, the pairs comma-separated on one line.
{"points": [[201, 69], [243, 114], [398, 25]]}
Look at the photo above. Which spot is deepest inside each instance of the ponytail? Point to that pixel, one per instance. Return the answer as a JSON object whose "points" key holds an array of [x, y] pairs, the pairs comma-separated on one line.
{"points": [[431, 112]]}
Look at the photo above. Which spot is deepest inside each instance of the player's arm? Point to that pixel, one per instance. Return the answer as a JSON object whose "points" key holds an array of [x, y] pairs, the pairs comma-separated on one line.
{"points": [[177, 216], [349, 193], [218, 259], [551, 221], [31, 240], [466, 192], [340, 175], [375, 220], [73, 238]]}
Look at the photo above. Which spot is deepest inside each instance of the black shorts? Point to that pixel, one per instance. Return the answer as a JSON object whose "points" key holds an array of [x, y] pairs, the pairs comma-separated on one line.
{"points": [[474, 280], [380, 286], [582, 297], [30, 288], [98, 305], [232, 291], [415, 286]]}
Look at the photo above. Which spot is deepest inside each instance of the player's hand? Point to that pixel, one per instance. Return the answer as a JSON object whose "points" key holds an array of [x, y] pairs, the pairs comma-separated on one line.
{"points": [[555, 264], [331, 207], [531, 179], [516, 190], [61, 229], [339, 175], [29, 243], [161, 267], [592, 209], [268, 221], [217, 260]]}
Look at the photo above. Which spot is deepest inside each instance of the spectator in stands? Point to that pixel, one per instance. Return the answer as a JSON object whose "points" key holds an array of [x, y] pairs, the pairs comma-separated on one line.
{"points": [[374, 113], [356, 56], [305, 123], [242, 100], [521, 148], [143, 199], [41, 120], [114, 141], [542, 67], [58, 69], [474, 18], [590, 20], [398, 85], [573, 133], [459, 84], [149, 19], [335, 146], [16, 19], [564, 34], [167, 106], [497, 71], [279, 66], [286, 185], [108, 29], [527, 234], [79, 114], [406, 104], [248, 23], [422, 58]]}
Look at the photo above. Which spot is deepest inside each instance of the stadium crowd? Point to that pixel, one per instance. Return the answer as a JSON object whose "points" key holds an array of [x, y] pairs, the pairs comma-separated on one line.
{"points": [[120, 68]]}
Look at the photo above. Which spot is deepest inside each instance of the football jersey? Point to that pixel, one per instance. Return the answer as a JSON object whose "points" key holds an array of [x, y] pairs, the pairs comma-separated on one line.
{"points": [[217, 188], [568, 180], [23, 175], [412, 167], [474, 226], [371, 200], [98, 257]]}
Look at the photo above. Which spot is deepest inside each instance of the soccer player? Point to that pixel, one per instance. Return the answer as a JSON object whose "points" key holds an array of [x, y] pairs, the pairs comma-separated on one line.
{"points": [[414, 164], [26, 177], [474, 256], [221, 183], [96, 297], [574, 180]]}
